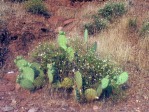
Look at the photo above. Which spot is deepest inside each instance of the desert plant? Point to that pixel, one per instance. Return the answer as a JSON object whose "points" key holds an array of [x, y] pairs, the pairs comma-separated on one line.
{"points": [[145, 29], [31, 76], [96, 26], [90, 76], [36, 7], [112, 10], [132, 23]]}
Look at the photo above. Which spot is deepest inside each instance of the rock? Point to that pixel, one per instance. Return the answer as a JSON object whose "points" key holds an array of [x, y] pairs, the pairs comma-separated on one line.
{"points": [[7, 108], [95, 108], [68, 21], [58, 29], [33, 110], [10, 76]]}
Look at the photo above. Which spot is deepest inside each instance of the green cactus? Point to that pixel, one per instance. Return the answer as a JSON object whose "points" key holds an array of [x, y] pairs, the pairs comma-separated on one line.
{"points": [[28, 73], [62, 41], [93, 49], [20, 62], [70, 52], [90, 94], [50, 72], [86, 35], [78, 79], [39, 82], [99, 90], [104, 83], [67, 83], [26, 84], [122, 78]]}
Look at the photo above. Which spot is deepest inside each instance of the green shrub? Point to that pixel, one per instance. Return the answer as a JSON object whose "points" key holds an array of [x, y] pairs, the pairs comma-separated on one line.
{"points": [[84, 71], [36, 7], [132, 23], [112, 10], [95, 27], [145, 29]]}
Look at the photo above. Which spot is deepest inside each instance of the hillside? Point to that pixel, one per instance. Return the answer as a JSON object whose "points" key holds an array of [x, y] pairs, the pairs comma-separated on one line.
{"points": [[124, 42]]}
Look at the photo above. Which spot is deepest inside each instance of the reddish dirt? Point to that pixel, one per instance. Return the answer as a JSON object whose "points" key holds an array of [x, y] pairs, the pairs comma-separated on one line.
{"points": [[15, 99]]}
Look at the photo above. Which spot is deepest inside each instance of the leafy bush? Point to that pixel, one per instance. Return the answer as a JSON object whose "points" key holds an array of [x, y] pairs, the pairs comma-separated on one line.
{"points": [[79, 68], [109, 12], [95, 27], [112, 10], [132, 23], [145, 29], [36, 7]]}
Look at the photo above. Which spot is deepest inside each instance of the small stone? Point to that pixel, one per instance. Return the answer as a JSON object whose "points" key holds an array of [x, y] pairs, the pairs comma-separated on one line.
{"points": [[67, 22], [33, 110], [10, 76], [6, 108], [95, 108]]}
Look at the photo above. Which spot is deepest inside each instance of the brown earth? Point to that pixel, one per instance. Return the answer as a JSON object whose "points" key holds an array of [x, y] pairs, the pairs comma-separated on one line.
{"points": [[36, 29]]}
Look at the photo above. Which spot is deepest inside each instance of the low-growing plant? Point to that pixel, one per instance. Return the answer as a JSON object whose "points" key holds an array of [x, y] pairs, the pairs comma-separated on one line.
{"points": [[112, 10], [108, 13], [132, 23], [31, 75], [96, 26], [36, 7], [145, 29]]}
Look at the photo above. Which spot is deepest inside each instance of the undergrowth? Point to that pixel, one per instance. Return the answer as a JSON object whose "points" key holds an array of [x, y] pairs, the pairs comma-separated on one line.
{"points": [[110, 12], [69, 66]]}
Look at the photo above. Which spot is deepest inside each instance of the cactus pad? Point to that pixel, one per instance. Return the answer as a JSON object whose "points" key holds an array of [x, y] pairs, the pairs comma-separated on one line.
{"points": [[67, 83], [28, 73], [78, 79], [90, 94], [26, 84]]}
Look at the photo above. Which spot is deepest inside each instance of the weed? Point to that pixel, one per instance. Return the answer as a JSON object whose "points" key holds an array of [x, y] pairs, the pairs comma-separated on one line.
{"points": [[36, 7], [145, 29], [112, 10], [132, 23], [95, 27]]}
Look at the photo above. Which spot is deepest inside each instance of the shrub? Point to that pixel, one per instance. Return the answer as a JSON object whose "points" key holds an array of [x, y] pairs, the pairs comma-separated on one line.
{"points": [[69, 66], [112, 10], [36, 7], [95, 27], [145, 29], [132, 23]]}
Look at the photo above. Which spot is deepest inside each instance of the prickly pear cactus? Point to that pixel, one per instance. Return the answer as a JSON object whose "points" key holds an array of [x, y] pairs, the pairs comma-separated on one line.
{"points": [[20, 62], [90, 94], [99, 90], [67, 83], [78, 79], [28, 73], [50, 72], [26, 84], [122, 78], [39, 82]]}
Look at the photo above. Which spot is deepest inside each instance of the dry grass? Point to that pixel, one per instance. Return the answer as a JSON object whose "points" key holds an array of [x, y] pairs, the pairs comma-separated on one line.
{"points": [[116, 42]]}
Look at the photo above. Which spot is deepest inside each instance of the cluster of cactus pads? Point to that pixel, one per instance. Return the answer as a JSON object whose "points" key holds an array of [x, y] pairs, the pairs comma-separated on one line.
{"points": [[84, 89], [31, 76]]}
